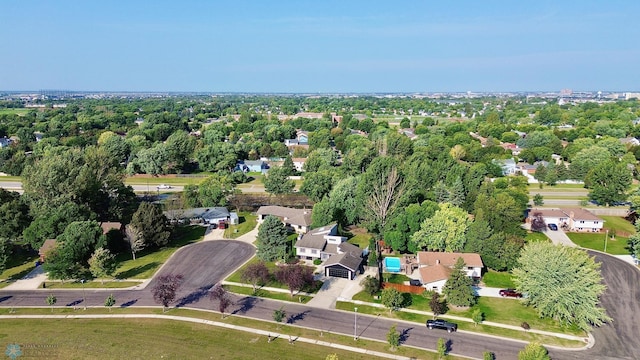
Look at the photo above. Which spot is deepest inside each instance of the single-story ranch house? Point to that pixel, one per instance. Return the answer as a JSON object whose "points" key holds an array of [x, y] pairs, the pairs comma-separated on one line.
{"points": [[570, 219], [212, 215], [297, 219], [435, 267]]}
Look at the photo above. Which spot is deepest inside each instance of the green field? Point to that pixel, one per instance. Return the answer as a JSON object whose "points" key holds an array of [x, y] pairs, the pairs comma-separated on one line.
{"points": [[615, 246], [618, 223], [19, 111], [149, 260], [535, 236], [157, 180]]}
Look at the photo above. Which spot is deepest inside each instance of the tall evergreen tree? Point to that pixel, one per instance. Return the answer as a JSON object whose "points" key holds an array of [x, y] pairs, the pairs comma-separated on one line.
{"points": [[272, 240], [458, 288]]}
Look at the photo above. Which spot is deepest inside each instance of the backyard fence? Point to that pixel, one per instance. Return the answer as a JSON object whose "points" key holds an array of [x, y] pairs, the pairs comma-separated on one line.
{"points": [[404, 288]]}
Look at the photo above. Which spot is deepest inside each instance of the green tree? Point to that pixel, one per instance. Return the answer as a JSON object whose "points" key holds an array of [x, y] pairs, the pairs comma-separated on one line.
{"points": [[586, 160], [609, 182], [441, 348], [102, 264], [180, 146], [4, 253], [393, 337], [445, 231], [271, 242], [381, 187], [216, 190], [318, 184], [370, 284], [538, 200], [562, 283], [458, 289], [73, 250], [110, 301], [477, 316], [392, 299], [488, 355], [634, 241], [51, 300], [217, 157], [436, 305], [534, 351], [277, 181], [14, 214], [152, 224], [320, 158], [279, 315], [52, 224]]}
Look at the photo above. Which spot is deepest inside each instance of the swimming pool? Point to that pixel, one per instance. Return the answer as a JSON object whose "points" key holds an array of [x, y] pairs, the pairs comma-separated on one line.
{"points": [[392, 264]]}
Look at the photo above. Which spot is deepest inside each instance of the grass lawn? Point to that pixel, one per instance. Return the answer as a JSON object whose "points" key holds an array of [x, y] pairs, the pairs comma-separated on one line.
{"points": [[247, 223], [10, 178], [90, 284], [558, 187], [535, 236], [237, 278], [616, 246], [498, 279], [149, 260], [18, 265], [618, 223], [395, 278], [268, 294], [18, 111], [362, 240], [179, 340]]}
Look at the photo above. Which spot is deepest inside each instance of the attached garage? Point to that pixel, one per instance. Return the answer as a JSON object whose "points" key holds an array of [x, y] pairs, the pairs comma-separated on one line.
{"points": [[338, 271]]}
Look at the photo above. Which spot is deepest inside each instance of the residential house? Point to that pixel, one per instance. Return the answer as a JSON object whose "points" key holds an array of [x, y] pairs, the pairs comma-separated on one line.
{"points": [[212, 215], [298, 163], [508, 166], [570, 219], [436, 267], [46, 247], [260, 166], [308, 115], [5, 142], [302, 139], [410, 133], [341, 259], [297, 219], [630, 141]]}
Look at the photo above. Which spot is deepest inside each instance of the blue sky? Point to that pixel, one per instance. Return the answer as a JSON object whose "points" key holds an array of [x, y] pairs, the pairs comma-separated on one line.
{"points": [[319, 46]]}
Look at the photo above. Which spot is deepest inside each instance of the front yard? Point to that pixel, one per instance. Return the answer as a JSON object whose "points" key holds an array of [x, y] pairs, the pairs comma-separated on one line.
{"points": [[615, 246], [247, 222]]}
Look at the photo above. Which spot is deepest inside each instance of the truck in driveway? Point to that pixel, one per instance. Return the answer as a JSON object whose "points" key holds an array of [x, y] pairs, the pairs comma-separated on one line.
{"points": [[441, 324]]}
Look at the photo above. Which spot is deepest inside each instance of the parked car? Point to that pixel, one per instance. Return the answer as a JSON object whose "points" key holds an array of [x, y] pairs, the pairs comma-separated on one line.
{"points": [[510, 293], [553, 227], [163, 186], [415, 282], [441, 324]]}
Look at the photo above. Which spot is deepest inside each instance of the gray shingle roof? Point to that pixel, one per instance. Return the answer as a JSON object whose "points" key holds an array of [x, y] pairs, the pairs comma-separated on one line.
{"points": [[293, 216], [348, 260]]}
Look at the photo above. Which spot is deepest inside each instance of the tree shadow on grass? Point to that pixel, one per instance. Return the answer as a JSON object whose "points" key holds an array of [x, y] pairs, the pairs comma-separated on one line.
{"points": [[297, 317], [194, 296], [246, 304], [137, 270]]}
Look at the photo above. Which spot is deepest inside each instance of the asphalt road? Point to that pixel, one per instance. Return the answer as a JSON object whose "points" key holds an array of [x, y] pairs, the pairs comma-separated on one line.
{"points": [[206, 263]]}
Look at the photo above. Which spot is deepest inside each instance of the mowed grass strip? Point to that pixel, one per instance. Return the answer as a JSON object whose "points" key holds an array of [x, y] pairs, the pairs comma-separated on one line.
{"points": [[148, 261], [97, 284], [284, 296], [240, 351], [615, 246]]}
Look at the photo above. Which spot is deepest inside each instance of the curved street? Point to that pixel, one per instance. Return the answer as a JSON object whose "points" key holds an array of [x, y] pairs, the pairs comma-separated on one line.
{"points": [[206, 263]]}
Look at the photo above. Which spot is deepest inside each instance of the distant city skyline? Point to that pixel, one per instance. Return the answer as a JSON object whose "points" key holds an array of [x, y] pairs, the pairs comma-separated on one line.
{"points": [[319, 47]]}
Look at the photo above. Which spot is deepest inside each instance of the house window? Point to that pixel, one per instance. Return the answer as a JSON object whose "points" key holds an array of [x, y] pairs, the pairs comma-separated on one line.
{"points": [[469, 267], [301, 250], [581, 221], [595, 222], [314, 251]]}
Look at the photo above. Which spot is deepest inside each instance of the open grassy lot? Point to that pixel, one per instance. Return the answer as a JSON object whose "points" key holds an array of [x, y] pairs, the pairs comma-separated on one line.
{"points": [[618, 223], [498, 279], [207, 340], [10, 178], [616, 246], [149, 260], [18, 111], [247, 223], [559, 187]]}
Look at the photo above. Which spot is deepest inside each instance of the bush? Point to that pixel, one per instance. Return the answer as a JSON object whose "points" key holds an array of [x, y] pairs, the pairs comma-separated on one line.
{"points": [[525, 325], [317, 262]]}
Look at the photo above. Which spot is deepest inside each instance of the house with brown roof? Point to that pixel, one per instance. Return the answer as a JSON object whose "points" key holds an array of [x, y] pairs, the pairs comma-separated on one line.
{"points": [[436, 267], [570, 219], [46, 247], [297, 219]]}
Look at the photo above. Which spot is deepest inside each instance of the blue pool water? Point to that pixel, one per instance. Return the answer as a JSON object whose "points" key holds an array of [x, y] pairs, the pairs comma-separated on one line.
{"points": [[392, 264]]}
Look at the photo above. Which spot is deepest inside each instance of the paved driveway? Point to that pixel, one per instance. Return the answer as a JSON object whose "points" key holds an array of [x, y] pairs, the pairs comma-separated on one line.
{"points": [[559, 237]]}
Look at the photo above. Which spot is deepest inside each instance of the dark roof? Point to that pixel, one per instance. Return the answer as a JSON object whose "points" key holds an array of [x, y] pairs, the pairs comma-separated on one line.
{"points": [[289, 215], [347, 260], [312, 241]]}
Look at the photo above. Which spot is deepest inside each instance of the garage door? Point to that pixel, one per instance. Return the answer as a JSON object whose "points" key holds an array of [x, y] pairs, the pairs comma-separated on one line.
{"points": [[339, 272]]}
